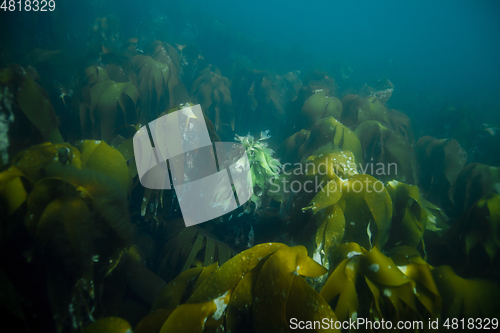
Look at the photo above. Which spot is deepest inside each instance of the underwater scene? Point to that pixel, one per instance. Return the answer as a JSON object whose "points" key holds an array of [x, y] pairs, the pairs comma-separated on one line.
{"points": [[265, 166]]}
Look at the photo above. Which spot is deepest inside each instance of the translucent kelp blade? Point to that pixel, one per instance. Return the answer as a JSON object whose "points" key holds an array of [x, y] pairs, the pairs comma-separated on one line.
{"points": [[469, 298], [225, 252], [330, 194], [205, 273], [197, 246], [12, 190], [109, 161], [186, 247], [209, 252], [402, 299], [344, 251], [32, 100], [105, 98], [274, 282], [375, 309], [334, 230], [306, 266], [229, 275], [341, 284], [382, 269], [410, 217], [271, 290], [428, 293], [379, 202], [34, 160], [171, 295], [305, 304], [188, 318], [153, 322], [239, 309]]}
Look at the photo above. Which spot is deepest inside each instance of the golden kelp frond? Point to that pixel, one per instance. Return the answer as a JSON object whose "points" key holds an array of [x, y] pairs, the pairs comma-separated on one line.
{"points": [[410, 216], [343, 205], [96, 74], [262, 289], [394, 292], [330, 232], [403, 287], [336, 162], [319, 106], [367, 200], [181, 288], [475, 181], [33, 101], [191, 244], [293, 148], [329, 134], [34, 160], [50, 160], [278, 289], [70, 208], [388, 151], [481, 227], [466, 298], [440, 162], [157, 81], [12, 190], [211, 91], [333, 168], [361, 198], [98, 156], [172, 295], [377, 110], [153, 322], [105, 99], [229, 275], [259, 290], [164, 53], [121, 72], [357, 109]]}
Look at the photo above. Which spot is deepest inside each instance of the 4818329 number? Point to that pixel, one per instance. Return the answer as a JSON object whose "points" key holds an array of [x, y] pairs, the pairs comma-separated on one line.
{"points": [[28, 5], [472, 323]]}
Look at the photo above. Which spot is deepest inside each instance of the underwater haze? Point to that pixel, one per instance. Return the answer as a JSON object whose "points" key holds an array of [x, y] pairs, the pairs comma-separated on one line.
{"points": [[249, 166]]}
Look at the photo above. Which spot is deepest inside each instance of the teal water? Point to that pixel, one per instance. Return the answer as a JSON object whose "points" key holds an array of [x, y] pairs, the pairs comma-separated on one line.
{"points": [[398, 99]]}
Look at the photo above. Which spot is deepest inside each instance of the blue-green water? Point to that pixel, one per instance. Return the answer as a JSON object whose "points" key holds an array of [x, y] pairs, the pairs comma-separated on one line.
{"points": [[372, 135]]}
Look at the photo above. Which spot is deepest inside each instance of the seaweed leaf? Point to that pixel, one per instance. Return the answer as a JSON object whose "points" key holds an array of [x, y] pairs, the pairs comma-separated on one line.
{"points": [[211, 91], [105, 97], [33, 102], [181, 251]]}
